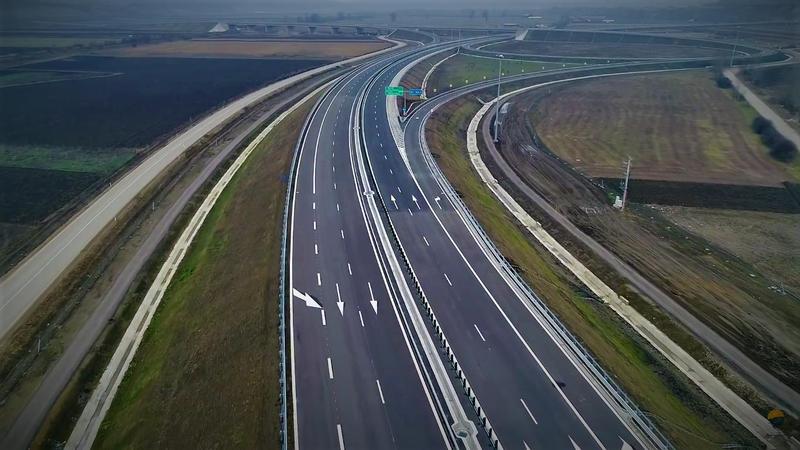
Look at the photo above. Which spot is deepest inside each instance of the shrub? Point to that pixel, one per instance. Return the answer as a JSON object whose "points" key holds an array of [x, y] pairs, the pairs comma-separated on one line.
{"points": [[780, 148], [783, 150], [760, 124], [723, 82]]}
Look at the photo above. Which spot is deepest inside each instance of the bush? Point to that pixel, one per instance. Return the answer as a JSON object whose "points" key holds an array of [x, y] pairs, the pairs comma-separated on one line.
{"points": [[783, 150], [760, 124], [723, 82], [780, 148]]}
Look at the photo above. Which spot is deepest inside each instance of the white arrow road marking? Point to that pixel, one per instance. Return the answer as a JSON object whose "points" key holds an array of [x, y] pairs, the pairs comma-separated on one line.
{"points": [[574, 445], [625, 445], [393, 200], [529, 411], [436, 199], [414, 199], [310, 302], [372, 302], [339, 301]]}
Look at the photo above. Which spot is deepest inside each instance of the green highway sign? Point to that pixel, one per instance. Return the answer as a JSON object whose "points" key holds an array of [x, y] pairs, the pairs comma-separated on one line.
{"points": [[393, 90]]}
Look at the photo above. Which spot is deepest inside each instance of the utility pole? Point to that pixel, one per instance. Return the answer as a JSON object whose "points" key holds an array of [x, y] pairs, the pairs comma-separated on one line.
{"points": [[625, 188], [735, 44], [497, 105]]}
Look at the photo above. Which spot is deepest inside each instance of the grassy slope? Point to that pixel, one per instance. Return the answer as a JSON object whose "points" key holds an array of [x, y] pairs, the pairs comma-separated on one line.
{"points": [[677, 407], [207, 370], [675, 127], [462, 69]]}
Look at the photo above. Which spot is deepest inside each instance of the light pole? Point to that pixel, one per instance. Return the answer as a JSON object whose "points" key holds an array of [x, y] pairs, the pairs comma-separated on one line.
{"points": [[497, 106]]}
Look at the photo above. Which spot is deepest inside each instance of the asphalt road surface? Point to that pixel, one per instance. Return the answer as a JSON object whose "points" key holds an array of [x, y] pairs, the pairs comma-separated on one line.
{"points": [[358, 383]]}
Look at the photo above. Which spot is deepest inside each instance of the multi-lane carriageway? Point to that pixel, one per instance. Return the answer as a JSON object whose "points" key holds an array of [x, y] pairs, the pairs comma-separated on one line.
{"points": [[362, 371]]}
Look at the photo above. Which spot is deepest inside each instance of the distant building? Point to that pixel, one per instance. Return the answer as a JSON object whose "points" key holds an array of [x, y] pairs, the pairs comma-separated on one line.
{"points": [[220, 28]]}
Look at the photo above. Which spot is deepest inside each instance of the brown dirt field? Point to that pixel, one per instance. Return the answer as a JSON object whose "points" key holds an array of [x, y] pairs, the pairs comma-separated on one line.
{"points": [[601, 50], [769, 241], [254, 49], [731, 295], [676, 127], [207, 369]]}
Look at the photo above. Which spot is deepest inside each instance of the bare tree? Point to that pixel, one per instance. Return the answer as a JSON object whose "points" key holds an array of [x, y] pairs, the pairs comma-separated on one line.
{"points": [[393, 16], [485, 15]]}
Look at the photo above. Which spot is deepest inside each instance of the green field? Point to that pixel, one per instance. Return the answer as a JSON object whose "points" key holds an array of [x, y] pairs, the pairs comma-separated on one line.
{"points": [[72, 159], [10, 78], [676, 405], [461, 70], [207, 368]]}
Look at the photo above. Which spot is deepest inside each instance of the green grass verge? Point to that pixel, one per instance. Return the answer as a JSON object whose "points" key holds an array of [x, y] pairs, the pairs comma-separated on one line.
{"points": [[683, 412], [207, 368]]}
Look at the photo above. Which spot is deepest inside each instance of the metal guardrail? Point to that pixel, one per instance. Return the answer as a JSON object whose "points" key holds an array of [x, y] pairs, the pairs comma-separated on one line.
{"points": [[458, 372], [621, 398], [284, 296]]}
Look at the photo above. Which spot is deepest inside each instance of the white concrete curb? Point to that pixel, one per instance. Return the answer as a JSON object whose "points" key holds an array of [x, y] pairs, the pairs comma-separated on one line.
{"points": [[721, 394]]}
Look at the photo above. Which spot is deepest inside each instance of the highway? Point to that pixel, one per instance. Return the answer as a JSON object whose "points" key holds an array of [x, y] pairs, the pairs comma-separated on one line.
{"points": [[359, 380]]}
